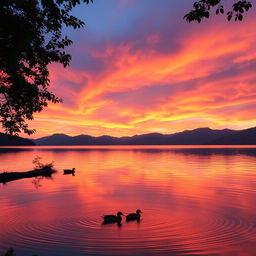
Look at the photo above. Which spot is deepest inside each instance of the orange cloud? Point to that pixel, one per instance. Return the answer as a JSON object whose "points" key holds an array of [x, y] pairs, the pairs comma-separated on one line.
{"points": [[207, 80]]}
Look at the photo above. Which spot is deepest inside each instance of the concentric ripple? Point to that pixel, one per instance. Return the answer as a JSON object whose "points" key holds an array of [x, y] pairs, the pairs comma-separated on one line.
{"points": [[199, 232], [187, 210]]}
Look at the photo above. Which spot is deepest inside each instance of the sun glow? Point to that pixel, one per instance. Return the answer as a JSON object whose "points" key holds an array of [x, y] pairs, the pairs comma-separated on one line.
{"points": [[178, 76]]}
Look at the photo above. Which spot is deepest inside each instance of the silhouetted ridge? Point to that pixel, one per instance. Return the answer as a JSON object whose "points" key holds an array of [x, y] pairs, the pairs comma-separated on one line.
{"points": [[199, 136], [145, 139], [243, 137], [8, 140], [55, 139]]}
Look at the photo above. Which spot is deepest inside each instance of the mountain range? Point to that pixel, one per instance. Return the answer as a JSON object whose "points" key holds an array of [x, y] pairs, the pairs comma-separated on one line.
{"points": [[200, 136], [8, 140]]}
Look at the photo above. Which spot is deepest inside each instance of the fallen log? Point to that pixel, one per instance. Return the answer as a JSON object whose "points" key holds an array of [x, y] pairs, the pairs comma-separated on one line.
{"points": [[10, 176]]}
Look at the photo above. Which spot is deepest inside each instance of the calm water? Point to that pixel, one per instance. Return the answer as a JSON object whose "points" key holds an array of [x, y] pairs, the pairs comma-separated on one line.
{"points": [[195, 201]]}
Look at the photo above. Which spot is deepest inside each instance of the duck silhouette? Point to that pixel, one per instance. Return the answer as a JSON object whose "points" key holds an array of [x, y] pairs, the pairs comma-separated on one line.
{"points": [[69, 171], [112, 218], [133, 216]]}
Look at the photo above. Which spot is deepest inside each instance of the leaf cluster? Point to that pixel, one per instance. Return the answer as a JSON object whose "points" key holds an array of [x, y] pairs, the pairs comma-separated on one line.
{"points": [[201, 9], [30, 39]]}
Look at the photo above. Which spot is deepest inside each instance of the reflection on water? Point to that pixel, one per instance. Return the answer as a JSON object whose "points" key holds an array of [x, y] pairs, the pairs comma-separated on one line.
{"points": [[195, 201]]}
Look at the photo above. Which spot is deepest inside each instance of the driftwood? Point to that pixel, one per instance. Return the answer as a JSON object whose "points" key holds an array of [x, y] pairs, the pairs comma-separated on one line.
{"points": [[10, 176]]}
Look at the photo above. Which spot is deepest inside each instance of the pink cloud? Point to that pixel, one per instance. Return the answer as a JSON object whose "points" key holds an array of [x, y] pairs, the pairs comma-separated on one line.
{"points": [[158, 79]]}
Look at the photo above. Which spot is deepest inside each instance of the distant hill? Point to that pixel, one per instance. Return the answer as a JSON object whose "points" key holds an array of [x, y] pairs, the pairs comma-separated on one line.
{"points": [[63, 139], [7, 140], [200, 136], [243, 137]]}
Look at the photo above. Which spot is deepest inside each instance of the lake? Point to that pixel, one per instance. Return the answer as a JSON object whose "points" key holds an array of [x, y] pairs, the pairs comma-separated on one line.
{"points": [[195, 201]]}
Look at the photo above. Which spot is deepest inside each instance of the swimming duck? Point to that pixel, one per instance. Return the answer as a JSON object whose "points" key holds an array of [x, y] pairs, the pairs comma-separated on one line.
{"points": [[68, 171], [112, 218], [133, 216]]}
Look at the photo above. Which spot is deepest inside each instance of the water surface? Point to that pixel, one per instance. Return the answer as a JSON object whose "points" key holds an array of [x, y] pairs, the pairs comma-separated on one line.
{"points": [[195, 201]]}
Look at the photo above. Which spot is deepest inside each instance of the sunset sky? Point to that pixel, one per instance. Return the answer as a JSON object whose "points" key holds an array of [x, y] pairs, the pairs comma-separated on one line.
{"points": [[139, 67]]}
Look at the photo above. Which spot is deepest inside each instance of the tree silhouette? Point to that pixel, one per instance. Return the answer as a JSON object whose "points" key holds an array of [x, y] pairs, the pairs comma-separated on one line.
{"points": [[30, 39], [202, 8]]}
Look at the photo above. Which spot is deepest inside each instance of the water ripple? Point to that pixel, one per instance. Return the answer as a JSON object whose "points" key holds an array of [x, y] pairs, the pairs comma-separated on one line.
{"points": [[196, 232]]}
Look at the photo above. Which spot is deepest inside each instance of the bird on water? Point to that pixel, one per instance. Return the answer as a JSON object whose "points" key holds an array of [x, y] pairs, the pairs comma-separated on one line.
{"points": [[69, 171], [134, 216], [112, 218]]}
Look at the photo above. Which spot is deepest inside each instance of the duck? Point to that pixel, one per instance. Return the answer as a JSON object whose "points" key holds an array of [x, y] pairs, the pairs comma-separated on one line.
{"points": [[69, 171], [134, 216], [112, 218]]}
